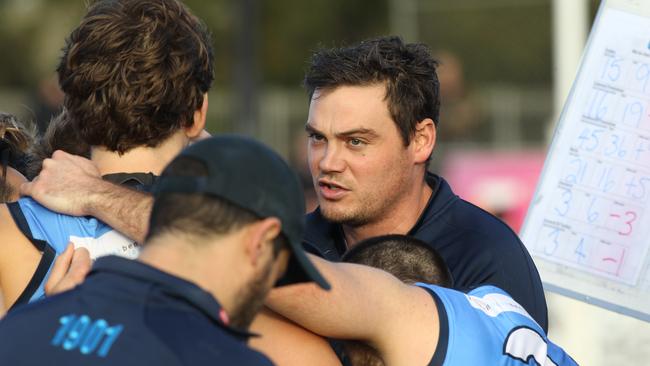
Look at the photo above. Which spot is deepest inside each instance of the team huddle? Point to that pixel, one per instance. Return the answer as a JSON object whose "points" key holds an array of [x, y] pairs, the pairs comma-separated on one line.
{"points": [[130, 236]]}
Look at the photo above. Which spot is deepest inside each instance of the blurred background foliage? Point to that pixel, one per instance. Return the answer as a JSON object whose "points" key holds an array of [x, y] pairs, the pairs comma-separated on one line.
{"points": [[498, 49]]}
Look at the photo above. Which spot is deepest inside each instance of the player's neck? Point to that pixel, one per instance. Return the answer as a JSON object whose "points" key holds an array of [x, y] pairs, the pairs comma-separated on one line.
{"points": [[140, 159], [399, 219], [209, 265]]}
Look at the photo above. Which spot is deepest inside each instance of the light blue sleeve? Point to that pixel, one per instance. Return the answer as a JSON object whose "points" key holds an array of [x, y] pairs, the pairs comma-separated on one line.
{"points": [[56, 229], [496, 328]]}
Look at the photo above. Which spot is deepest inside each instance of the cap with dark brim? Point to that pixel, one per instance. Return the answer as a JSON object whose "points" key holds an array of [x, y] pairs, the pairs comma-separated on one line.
{"points": [[250, 175]]}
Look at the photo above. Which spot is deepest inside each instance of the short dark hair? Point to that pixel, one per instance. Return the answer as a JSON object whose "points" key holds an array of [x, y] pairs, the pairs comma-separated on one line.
{"points": [[59, 135], [198, 214], [134, 72], [6, 190], [409, 259], [407, 69]]}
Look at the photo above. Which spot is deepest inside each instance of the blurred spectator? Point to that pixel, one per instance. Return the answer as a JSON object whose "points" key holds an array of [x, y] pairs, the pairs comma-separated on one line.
{"points": [[458, 114], [47, 101]]}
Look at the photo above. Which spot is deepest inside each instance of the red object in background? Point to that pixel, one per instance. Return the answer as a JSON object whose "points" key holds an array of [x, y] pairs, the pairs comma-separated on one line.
{"points": [[501, 182]]}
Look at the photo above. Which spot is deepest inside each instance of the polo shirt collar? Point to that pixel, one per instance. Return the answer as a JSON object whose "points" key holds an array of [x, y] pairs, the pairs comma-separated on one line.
{"points": [[441, 195], [171, 285]]}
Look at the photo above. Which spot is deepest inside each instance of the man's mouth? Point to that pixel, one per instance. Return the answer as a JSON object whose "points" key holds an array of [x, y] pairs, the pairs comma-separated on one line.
{"points": [[330, 190], [330, 185]]}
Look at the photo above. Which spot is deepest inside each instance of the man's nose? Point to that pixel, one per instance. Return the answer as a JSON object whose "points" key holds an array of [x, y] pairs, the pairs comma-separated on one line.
{"points": [[332, 160]]}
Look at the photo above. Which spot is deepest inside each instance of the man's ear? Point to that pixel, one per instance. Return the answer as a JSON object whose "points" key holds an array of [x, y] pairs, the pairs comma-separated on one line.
{"points": [[200, 115], [424, 140], [260, 239]]}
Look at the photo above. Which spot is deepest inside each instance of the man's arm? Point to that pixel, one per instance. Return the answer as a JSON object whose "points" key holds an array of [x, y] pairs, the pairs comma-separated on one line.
{"points": [[18, 259], [287, 343], [367, 304], [72, 185]]}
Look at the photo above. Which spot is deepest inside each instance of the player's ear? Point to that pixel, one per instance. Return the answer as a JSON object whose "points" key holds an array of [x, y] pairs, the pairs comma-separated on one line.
{"points": [[260, 239], [424, 140], [200, 115]]}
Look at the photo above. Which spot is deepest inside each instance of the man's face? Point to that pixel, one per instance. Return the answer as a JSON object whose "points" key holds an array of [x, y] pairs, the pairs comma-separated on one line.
{"points": [[251, 297], [358, 162]]}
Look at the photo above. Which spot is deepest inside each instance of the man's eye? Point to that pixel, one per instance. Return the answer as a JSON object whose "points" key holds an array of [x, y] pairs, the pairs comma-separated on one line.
{"points": [[316, 137], [355, 142]]}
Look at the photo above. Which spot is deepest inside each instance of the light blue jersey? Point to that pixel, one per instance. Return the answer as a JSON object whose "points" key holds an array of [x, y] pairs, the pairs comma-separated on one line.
{"points": [[487, 327], [51, 232]]}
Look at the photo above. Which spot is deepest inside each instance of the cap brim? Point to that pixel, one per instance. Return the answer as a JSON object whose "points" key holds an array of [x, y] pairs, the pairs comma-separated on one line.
{"points": [[300, 269]]}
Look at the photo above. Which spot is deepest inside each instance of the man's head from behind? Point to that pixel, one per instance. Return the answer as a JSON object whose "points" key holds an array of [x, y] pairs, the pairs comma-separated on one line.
{"points": [[410, 260], [240, 197], [407, 258], [135, 72], [371, 126]]}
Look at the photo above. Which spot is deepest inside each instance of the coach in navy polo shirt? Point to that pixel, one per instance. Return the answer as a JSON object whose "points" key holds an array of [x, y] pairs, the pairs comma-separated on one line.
{"points": [[227, 220], [372, 128]]}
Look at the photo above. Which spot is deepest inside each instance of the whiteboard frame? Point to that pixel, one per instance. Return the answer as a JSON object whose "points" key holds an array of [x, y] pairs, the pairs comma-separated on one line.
{"points": [[556, 133]]}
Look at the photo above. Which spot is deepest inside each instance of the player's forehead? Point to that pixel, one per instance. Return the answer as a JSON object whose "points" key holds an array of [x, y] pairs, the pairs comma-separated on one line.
{"points": [[347, 108]]}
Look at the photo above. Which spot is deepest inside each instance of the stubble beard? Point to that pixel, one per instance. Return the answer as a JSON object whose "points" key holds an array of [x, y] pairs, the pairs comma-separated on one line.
{"points": [[250, 299], [373, 207]]}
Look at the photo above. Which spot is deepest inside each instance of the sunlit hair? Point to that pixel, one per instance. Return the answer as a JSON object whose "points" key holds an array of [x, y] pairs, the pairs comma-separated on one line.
{"points": [[16, 142], [134, 72]]}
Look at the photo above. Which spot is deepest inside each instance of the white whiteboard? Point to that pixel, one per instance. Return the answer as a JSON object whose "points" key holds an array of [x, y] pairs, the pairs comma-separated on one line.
{"points": [[588, 226]]}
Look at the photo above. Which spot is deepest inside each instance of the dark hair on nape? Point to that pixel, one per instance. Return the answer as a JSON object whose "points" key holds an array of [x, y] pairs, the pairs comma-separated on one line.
{"points": [[198, 214], [59, 135], [6, 190], [134, 72], [409, 259], [407, 69]]}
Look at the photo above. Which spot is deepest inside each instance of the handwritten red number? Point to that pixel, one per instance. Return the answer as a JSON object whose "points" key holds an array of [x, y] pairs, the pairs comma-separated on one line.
{"points": [[632, 217]]}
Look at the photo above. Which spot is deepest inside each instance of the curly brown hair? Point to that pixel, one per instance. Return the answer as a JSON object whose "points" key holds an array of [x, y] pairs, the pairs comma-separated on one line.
{"points": [[134, 72]]}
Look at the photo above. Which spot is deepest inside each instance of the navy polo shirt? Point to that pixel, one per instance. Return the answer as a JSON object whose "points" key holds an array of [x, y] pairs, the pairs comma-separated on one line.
{"points": [[479, 249], [125, 313]]}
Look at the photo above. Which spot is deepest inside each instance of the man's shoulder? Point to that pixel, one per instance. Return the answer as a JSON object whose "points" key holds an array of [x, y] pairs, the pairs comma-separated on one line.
{"points": [[203, 343], [38, 222], [129, 335], [466, 215], [30, 324], [41, 219], [448, 213]]}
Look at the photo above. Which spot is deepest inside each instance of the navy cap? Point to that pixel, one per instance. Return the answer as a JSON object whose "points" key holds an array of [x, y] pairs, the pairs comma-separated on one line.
{"points": [[250, 175]]}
